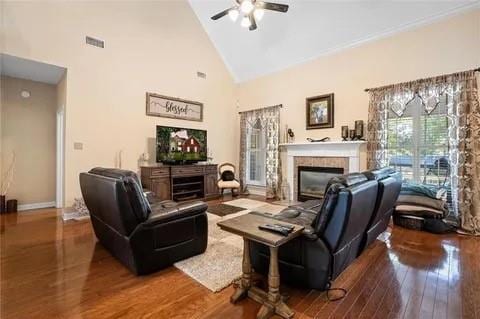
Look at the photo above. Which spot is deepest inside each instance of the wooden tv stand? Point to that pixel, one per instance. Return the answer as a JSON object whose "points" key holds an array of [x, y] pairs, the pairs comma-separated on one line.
{"points": [[181, 182]]}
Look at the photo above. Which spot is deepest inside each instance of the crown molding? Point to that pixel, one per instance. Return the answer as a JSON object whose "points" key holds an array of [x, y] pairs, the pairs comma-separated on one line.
{"points": [[371, 38]]}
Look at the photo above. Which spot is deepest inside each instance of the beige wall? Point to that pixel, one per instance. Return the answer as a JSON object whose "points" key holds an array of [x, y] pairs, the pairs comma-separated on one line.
{"points": [[150, 46], [28, 129], [446, 46], [159, 47]]}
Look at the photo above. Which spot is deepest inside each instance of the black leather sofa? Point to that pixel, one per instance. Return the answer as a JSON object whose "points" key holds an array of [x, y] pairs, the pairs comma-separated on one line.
{"points": [[337, 230], [143, 236]]}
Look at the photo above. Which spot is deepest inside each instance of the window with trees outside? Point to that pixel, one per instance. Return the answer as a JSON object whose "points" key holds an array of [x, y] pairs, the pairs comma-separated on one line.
{"points": [[256, 153], [417, 145]]}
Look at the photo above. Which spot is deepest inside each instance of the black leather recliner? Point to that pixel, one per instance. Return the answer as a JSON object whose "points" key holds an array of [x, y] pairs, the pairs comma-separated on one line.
{"points": [[144, 237], [334, 230], [389, 185]]}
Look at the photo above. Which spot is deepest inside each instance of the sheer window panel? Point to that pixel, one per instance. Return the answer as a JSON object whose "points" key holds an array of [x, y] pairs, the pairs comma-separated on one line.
{"points": [[417, 144], [256, 153]]}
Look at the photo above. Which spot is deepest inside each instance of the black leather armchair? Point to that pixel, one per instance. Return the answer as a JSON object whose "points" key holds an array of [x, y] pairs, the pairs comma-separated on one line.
{"points": [[144, 237], [334, 229]]}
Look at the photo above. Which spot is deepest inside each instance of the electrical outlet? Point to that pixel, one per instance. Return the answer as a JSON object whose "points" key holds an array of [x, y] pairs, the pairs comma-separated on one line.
{"points": [[78, 146]]}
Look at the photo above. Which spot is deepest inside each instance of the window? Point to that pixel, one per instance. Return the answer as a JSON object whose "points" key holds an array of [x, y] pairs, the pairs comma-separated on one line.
{"points": [[417, 144], [256, 152]]}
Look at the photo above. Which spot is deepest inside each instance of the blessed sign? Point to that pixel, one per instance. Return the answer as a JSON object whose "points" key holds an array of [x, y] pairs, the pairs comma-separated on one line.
{"points": [[164, 106]]}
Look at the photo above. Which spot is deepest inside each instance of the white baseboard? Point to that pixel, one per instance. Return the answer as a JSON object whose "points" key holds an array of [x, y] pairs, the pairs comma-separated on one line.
{"points": [[25, 207]]}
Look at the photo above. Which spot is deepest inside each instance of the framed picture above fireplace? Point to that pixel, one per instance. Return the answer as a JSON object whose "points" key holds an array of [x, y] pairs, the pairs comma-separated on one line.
{"points": [[320, 111]]}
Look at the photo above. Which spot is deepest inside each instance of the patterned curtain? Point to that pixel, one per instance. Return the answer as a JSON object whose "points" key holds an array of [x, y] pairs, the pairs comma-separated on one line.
{"points": [[243, 153], [465, 108], [269, 119], [463, 113], [377, 129], [272, 161]]}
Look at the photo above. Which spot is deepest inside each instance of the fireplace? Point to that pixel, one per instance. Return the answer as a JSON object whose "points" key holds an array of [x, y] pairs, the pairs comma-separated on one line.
{"points": [[312, 181]]}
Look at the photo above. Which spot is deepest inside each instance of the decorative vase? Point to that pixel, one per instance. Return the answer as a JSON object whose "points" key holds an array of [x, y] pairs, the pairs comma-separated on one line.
{"points": [[344, 133], [359, 129], [3, 208], [352, 135]]}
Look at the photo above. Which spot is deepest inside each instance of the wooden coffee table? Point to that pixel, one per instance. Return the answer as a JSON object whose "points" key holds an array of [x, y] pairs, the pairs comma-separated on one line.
{"points": [[247, 227]]}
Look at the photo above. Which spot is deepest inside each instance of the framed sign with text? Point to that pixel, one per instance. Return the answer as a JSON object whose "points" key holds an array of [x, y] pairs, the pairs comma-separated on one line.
{"points": [[164, 106]]}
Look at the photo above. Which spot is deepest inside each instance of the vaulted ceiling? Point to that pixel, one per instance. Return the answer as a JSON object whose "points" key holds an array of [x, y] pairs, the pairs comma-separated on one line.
{"points": [[311, 29]]}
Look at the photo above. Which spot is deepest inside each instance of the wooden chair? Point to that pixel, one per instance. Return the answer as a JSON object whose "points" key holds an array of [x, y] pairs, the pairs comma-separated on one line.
{"points": [[233, 184]]}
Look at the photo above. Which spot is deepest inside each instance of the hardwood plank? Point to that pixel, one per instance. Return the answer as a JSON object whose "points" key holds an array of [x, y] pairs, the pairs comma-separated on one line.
{"points": [[467, 266], [454, 303], [375, 300], [391, 294], [367, 280], [51, 269], [346, 280]]}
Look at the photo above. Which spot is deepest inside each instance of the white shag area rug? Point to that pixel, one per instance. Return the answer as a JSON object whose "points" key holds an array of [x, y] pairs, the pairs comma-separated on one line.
{"points": [[221, 264]]}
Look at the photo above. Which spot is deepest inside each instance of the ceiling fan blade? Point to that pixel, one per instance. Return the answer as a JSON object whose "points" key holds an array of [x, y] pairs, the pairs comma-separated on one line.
{"points": [[253, 23], [273, 6], [221, 14]]}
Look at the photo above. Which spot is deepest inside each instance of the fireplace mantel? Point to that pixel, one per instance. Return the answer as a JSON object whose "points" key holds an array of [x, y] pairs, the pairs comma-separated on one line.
{"points": [[347, 149], [323, 145]]}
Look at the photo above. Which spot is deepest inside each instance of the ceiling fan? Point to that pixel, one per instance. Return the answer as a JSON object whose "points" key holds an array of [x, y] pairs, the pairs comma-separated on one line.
{"points": [[252, 11]]}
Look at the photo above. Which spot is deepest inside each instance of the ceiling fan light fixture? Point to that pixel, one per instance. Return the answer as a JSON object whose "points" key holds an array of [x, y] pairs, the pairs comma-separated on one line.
{"points": [[245, 22], [246, 6], [233, 14], [258, 13]]}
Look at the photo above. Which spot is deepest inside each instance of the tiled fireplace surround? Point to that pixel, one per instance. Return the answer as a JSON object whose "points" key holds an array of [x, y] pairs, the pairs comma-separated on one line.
{"points": [[344, 155]]}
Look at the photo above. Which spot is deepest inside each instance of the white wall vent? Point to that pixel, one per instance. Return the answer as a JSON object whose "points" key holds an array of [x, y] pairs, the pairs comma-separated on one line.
{"points": [[95, 42]]}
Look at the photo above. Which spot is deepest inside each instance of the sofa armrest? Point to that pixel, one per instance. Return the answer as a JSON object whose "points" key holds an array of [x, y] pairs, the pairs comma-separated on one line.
{"points": [[162, 214]]}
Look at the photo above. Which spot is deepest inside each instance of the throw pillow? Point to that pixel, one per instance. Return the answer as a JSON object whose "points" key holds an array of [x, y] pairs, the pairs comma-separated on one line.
{"points": [[228, 176]]}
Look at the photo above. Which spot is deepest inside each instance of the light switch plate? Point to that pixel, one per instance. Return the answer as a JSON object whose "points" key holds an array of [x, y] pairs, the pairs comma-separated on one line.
{"points": [[78, 146]]}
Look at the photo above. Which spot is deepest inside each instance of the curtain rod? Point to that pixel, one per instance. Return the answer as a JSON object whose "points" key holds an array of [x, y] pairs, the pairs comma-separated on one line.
{"points": [[366, 90], [261, 108]]}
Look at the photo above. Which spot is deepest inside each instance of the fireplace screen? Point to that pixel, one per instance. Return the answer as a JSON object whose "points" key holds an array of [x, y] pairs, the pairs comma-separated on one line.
{"points": [[312, 181]]}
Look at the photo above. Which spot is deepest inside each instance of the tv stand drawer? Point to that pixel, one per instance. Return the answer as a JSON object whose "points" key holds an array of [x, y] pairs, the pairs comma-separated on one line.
{"points": [[186, 171], [160, 172]]}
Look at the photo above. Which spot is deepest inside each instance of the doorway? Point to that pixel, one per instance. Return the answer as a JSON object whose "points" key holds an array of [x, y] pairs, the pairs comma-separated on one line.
{"points": [[33, 132]]}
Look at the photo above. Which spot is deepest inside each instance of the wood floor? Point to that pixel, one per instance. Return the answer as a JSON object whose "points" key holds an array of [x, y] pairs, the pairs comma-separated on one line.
{"points": [[54, 270]]}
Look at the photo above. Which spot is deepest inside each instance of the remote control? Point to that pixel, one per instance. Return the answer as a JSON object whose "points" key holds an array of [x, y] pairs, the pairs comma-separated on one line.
{"points": [[275, 229], [290, 228]]}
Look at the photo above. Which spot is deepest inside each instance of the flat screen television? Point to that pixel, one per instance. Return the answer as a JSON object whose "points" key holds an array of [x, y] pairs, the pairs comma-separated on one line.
{"points": [[177, 145]]}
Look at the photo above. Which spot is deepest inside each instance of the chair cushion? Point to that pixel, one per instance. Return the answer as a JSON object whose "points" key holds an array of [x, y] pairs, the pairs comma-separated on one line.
{"points": [[425, 201], [140, 204], [114, 173], [377, 174], [328, 206], [228, 176], [350, 179], [138, 200], [419, 211], [228, 184]]}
